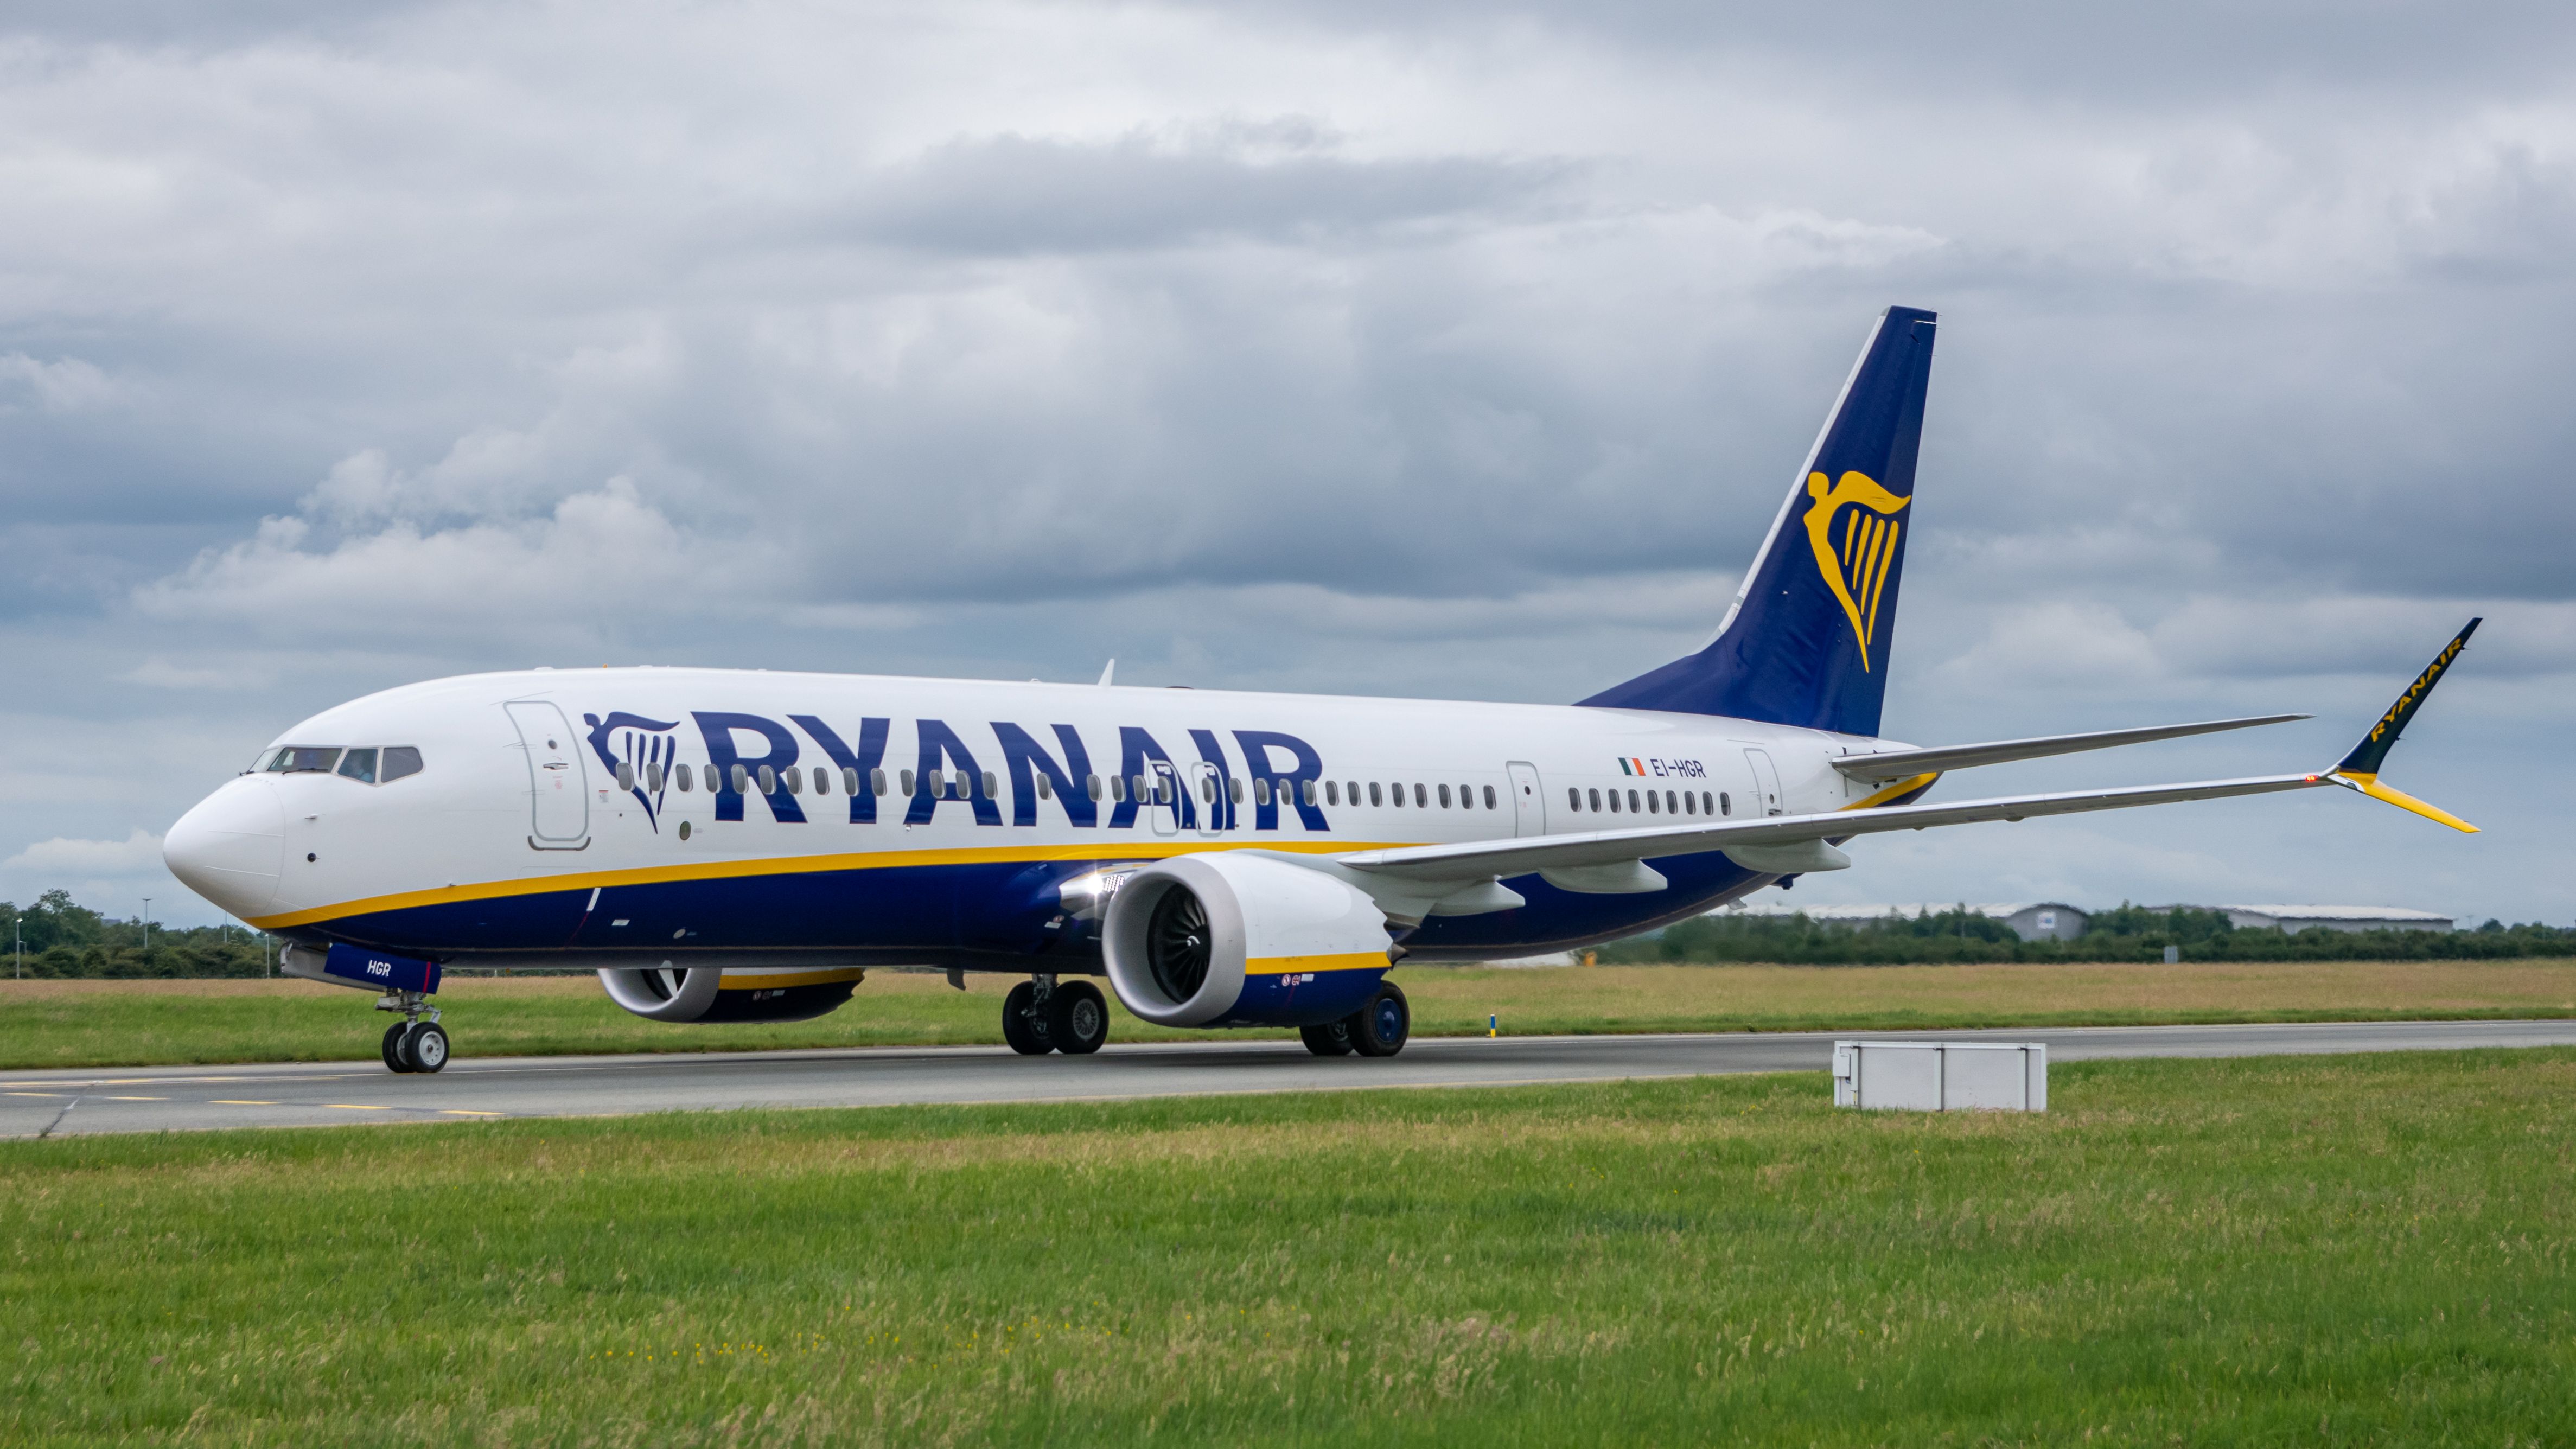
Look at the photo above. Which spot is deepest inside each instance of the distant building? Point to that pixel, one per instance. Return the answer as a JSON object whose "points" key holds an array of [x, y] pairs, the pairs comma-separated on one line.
{"points": [[2030, 920], [2293, 919]]}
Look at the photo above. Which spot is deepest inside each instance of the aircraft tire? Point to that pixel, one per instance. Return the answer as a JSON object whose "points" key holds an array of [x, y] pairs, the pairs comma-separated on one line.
{"points": [[1328, 1039], [1022, 1025], [1078, 1019], [1381, 1028], [394, 1058], [425, 1046]]}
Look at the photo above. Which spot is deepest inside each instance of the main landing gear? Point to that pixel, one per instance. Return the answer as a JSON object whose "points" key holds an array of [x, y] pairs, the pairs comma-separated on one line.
{"points": [[1042, 1015], [412, 1044], [1379, 1029]]}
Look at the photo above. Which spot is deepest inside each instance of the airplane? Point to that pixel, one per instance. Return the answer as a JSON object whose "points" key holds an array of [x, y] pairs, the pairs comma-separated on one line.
{"points": [[743, 845]]}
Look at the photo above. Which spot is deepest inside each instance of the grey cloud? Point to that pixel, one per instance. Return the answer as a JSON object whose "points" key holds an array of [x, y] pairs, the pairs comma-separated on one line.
{"points": [[1018, 194]]}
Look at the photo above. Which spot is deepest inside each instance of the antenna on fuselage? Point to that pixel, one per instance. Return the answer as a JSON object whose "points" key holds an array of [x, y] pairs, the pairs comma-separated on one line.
{"points": [[1107, 670]]}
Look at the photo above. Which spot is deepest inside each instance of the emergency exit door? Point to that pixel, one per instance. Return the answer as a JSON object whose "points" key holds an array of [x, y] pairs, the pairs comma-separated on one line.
{"points": [[1529, 806]]}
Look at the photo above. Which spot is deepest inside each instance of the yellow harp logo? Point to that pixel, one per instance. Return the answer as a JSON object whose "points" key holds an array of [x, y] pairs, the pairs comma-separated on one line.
{"points": [[1856, 564]]}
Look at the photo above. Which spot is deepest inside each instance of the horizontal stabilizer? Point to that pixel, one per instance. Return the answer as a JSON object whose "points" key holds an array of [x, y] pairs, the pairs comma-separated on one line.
{"points": [[1898, 764], [1472, 859]]}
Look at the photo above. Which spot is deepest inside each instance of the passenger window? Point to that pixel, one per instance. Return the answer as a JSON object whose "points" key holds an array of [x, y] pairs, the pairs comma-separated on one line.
{"points": [[904, 778], [1668, 802], [1614, 802], [1395, 794], [795, 781], [304, 759], [1573, 798], [685, 782], [1139, 791], [1690, 803], [1332, 792], [1632, 802], [877, 783], [1596, 798], [1261, 792], [1118, 789], [1234, 790], [625, 773], [1092, 786], [359, 765], [1707, 806], [1489, 798], [1306, 791], [1354, 789], [768, 780], [399, 761], [741, 780], [849, 779], [1421, 795], [1725, 806], [1653, 806], [1374, 797], [1046, 786], [1207, 789], [992, 786], [1444, 796], [653, 776]]}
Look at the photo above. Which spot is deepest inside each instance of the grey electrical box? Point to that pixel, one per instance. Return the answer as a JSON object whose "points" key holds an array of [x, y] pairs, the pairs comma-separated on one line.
{"points": [[1941, 1076]]}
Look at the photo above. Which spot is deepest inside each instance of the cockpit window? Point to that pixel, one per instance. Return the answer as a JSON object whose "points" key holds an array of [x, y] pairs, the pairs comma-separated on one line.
{"points": [[367, 766]]}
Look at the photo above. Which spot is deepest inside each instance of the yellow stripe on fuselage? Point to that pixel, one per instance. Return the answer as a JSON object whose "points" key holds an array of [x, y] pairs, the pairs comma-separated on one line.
{"points": [[1342, 961], [757, 979], [792, 865], [1906, 786]]}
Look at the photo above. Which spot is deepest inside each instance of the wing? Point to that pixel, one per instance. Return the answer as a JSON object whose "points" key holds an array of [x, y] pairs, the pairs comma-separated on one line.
{"points": [[1897, 764], [1474, 860]]}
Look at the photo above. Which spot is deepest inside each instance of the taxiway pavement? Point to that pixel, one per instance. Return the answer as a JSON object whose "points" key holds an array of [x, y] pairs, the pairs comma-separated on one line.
{"points": [[157, 1099]]}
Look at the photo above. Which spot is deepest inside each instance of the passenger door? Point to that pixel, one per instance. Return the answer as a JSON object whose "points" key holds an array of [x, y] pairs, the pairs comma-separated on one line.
{"points": [[1766, 781], [1529, 807], [558, 785]]}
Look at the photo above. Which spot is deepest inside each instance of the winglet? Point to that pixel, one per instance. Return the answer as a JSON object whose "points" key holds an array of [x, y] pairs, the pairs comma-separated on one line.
{"points": [[1107, 671], [2360, 769]]}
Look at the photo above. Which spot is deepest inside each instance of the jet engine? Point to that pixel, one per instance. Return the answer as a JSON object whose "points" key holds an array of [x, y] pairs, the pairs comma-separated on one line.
{"points": [[714, 993], [1230, 938]]}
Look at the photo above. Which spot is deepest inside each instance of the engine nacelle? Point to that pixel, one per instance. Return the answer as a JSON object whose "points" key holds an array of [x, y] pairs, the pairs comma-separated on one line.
{"points": [[1229, 938], [714, 993]]}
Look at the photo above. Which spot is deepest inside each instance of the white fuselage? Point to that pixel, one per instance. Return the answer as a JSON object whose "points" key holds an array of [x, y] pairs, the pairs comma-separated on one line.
{"points": [[517, 815]]}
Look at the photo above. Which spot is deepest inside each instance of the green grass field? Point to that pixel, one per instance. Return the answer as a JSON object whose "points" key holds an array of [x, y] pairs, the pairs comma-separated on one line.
{"points": [[2292, 1250], [134, 1023]]}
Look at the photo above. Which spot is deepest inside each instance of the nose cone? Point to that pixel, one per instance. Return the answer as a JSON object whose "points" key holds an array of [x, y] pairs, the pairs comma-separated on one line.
{"points": [[230, 847]]}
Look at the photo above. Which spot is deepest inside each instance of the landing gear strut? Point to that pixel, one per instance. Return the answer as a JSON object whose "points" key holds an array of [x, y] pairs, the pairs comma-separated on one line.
{"points": [[1042, 1015], [412, 1044]]}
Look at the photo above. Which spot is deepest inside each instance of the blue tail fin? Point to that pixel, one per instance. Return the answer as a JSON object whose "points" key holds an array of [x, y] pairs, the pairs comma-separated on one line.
{"points": [[1807, 640]]}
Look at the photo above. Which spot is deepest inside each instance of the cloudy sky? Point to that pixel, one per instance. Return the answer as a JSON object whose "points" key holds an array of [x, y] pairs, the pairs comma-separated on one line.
{"points": [[1445, 349]]}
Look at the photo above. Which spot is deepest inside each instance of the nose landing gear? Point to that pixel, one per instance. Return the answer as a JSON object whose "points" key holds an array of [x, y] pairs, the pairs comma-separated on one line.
{"points": [[412, 1044]]}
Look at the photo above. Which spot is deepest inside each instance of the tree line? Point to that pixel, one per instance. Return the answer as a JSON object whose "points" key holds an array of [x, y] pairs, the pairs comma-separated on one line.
{"points": [[2130, 933], [64, 939]]}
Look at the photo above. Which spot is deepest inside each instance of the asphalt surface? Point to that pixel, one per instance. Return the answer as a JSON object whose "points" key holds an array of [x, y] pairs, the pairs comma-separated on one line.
{"points": [[304, 1094]]}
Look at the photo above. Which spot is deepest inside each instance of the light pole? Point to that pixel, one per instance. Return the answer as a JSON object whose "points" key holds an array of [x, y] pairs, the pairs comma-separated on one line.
{"points": [[147, 923]]}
